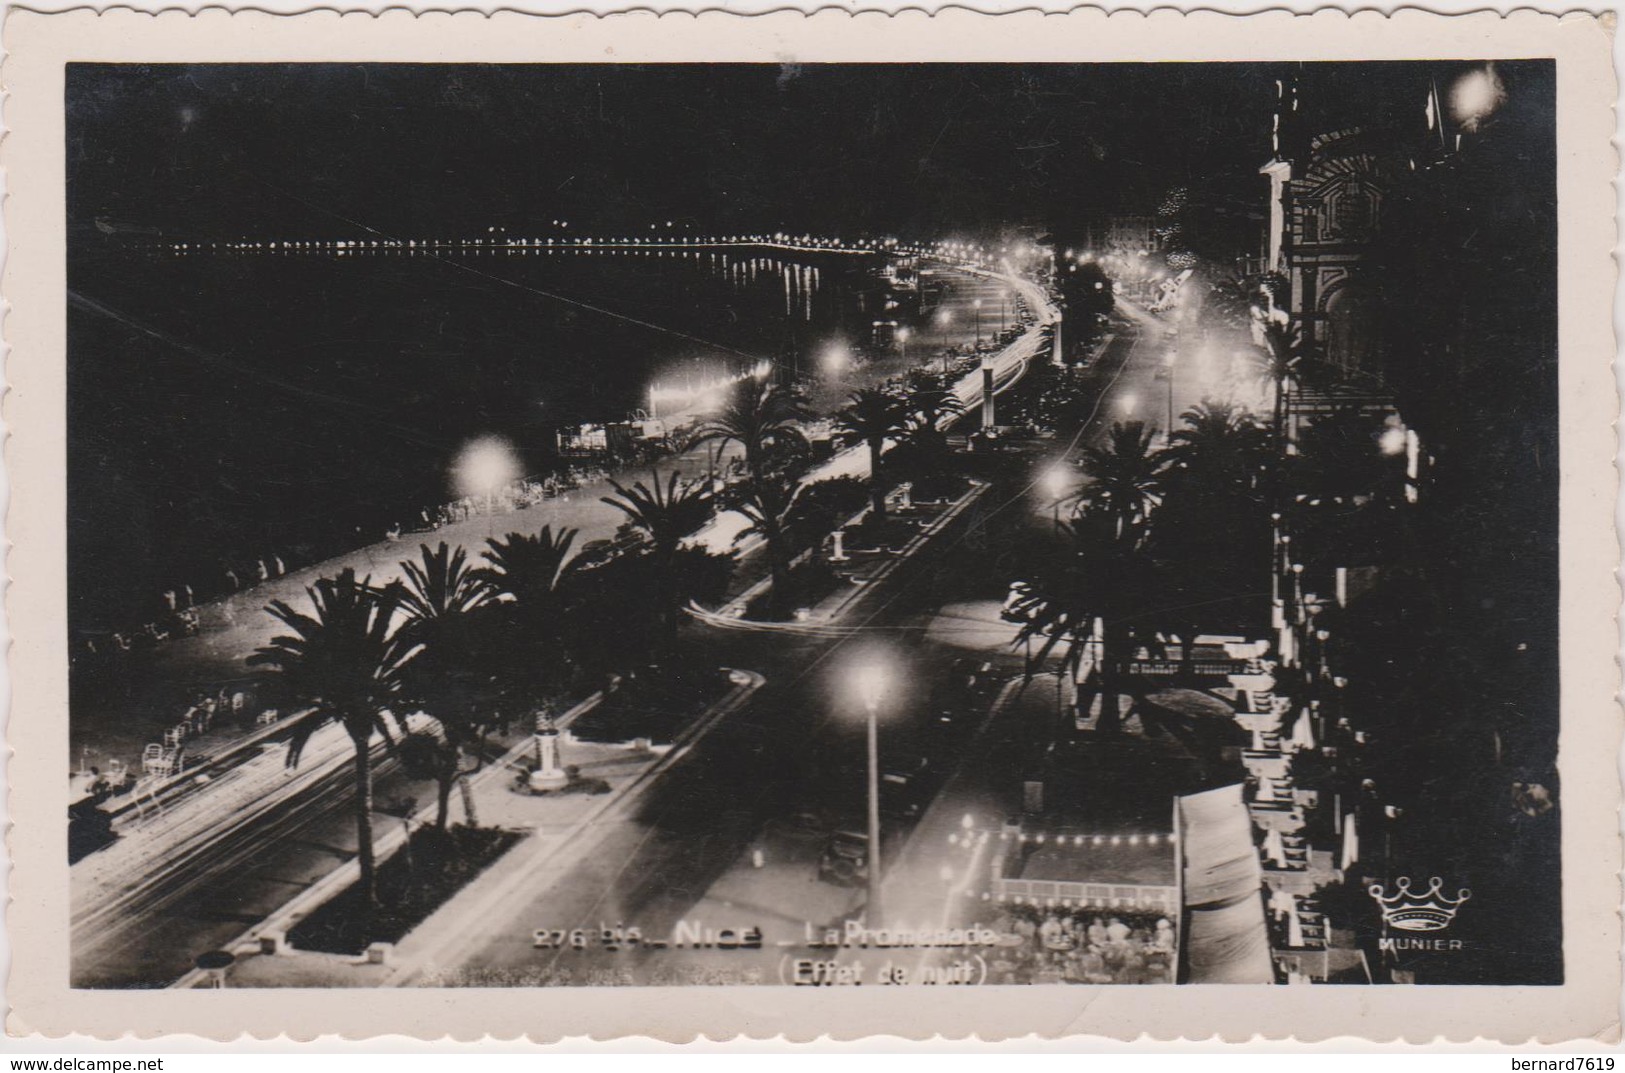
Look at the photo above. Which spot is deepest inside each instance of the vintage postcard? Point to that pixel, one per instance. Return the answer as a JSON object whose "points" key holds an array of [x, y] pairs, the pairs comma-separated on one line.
{"points": [[840, 524]]}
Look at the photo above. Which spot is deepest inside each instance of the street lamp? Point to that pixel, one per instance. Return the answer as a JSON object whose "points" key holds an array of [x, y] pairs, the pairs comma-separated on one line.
{"points": [[902, 340], [835, 358], [945, 317], [1168, 360], [977, 305], [871, 680], [1056, 482]]}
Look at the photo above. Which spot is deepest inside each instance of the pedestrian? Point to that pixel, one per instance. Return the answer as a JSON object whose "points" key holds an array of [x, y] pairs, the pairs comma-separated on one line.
{"points": [[231, 579]]}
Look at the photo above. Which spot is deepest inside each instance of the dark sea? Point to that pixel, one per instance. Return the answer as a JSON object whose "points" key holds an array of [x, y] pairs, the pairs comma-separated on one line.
{"points": [[225, 407]]}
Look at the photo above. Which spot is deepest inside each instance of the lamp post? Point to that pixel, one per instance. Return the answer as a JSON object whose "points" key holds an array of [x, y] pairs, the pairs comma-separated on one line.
{"points": [[1055, 485], [1169, 359], [902, 341], [871, 680], [977, 305], [987, 392], [944, 318]]}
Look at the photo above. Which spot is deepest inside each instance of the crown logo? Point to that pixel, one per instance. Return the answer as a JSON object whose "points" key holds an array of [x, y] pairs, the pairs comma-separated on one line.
{"points": [[1410, 910]]}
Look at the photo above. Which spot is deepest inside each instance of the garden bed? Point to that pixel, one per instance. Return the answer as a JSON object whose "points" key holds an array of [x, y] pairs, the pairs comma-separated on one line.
{"points": [[420, 878], [939, 489], [888, 534], [656, 704], [809, 584]]}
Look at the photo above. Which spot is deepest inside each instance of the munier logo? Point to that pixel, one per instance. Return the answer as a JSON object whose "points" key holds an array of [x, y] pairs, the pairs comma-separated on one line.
{"points": [[1407, 910]]}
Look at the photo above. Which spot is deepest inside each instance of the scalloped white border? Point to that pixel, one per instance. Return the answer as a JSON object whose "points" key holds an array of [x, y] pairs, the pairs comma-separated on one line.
{"points": [[1586, 1007]]}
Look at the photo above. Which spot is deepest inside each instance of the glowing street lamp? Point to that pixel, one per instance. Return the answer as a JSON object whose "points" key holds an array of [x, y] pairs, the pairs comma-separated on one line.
{"points": [[977, 305], [945, 317], [835, 358], [1056, 484], [484, 467], [902, 341], [871, 680]]}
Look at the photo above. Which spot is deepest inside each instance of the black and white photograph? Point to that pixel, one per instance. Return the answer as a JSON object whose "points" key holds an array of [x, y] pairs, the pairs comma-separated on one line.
{"points": [[812, 524]]}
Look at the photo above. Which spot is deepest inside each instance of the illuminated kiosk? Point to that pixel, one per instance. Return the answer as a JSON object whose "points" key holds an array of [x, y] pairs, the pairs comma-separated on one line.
{"points": [[1071, 868]]}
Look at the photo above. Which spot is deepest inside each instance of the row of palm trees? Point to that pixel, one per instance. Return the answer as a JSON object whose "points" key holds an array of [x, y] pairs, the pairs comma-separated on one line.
{"points": [[480, 645], [1178, 540], [765, 420], [475, 646], [472, 646]]}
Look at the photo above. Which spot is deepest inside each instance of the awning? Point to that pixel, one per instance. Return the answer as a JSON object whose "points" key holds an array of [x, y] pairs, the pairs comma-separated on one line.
{"points": [[1227, 941]]}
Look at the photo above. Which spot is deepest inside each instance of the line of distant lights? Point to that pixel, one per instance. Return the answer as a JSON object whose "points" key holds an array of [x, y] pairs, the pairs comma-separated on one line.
{"points": [[1041, 838], [965, 251], [1142, 904], [712, 388]]}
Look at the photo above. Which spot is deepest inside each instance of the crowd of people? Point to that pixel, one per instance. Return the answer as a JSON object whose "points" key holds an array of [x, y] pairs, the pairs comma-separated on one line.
{"points": [[1076, 947]]}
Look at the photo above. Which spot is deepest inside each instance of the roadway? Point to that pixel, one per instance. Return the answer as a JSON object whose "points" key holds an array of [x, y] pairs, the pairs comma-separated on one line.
{"points": [[731, 837]]}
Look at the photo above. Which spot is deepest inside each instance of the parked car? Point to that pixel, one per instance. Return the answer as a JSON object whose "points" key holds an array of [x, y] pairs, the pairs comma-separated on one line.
{"points": [[845, 859], [974, 676], [1019, 591]]}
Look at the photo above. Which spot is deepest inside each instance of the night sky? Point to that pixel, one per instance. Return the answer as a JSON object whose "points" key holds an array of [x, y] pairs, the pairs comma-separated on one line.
{"points": [[211, 152]]}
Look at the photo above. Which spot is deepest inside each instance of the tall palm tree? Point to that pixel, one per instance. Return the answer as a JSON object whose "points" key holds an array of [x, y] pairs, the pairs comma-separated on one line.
{"points": [[1221, 447], [762, 418], [1126, 474], [450, 678], [1212, 531], [525, 570], [666, 514], [1102, 572], [440, 583], [343, 662], [527, 576], [766, 503], [931, 410], [1284, 364], [874, 417]]}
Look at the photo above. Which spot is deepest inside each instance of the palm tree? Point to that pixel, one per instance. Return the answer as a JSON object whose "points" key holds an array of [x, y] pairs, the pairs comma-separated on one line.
{"points": [[931, 410], [440, 599], [440, 584], [526, 570], [874, 417], [343, 662], [1213, 522], [1102, 572], [766, 503], [1284, 364], [666, 514], [762, 418], [527, 576], [1221, 447], [1127, 474]]}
